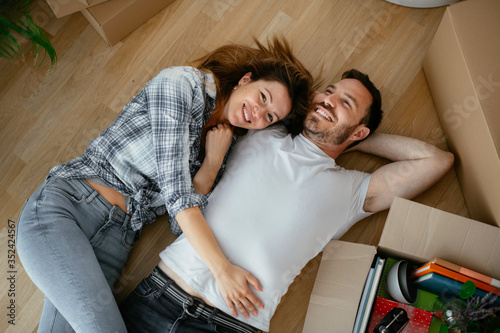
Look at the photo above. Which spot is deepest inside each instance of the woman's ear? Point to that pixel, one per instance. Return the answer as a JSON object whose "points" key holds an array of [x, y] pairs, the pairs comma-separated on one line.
{"points": [[245, 79]]}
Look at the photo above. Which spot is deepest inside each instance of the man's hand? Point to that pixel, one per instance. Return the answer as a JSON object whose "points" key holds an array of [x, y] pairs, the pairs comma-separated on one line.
{"points": [[233, 283]]}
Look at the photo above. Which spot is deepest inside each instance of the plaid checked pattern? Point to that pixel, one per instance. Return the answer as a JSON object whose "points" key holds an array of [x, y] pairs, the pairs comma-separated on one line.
{"points": [[149, 153]]}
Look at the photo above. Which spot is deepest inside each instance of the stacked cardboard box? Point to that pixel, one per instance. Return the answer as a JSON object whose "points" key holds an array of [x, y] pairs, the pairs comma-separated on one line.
{"points": [[65, 7], [112, 19], [463, 71], [115, 19]]}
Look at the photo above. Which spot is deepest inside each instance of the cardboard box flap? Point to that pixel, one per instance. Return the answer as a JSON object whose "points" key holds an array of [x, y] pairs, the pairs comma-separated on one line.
{"points": [[419, 233], [65, 7], [338, 287], [476, 24], [107, 11]]}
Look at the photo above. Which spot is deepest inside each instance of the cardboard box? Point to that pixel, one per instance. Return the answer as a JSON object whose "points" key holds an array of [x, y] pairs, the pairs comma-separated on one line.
{"points": [[115, 19], [337, 290], [65, 7], [463, 71], [412, 231]]}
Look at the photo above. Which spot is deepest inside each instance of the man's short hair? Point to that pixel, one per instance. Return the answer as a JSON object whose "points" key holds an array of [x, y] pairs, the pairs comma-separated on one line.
{"points": [[374, 114]]}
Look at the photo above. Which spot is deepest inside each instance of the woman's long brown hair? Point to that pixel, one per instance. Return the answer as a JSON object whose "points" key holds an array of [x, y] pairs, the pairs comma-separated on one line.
{"points": [[276, 62]]}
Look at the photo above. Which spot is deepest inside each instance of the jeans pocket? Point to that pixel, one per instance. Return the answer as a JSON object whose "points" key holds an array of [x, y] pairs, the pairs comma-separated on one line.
{"points": [[112, 231], [64, 187], [100, 233], [145, 289], [128, 238]]}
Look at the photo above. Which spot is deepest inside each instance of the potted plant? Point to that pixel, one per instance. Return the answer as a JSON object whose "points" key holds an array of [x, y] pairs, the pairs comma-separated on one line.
{"points": [[16, 22]]}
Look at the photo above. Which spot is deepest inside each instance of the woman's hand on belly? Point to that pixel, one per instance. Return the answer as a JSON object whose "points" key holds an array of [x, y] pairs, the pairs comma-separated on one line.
{"points": [[233, 283]]}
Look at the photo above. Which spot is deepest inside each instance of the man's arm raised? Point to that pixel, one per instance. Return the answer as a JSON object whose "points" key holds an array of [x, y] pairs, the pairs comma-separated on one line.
{"points": [[416, 166]]}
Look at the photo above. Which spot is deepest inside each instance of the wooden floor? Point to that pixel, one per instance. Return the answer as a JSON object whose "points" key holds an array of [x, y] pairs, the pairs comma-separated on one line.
{"points": [[46, 119]]}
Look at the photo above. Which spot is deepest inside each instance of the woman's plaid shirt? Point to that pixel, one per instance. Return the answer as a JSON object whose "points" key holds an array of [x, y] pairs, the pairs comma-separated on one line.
{"points": [[149, 153]]}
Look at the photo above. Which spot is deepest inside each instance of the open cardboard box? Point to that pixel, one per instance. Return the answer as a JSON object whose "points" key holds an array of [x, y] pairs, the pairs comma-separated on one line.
{"points": [[412, 231], [462, 68]]}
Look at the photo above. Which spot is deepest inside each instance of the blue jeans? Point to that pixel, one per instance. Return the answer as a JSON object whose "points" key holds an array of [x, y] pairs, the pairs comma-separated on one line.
{"points": [[73, 244], [149, 309]]}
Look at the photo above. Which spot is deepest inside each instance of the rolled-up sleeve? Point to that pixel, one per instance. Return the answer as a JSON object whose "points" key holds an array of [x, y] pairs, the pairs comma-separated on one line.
{"points": [[174, 104]]}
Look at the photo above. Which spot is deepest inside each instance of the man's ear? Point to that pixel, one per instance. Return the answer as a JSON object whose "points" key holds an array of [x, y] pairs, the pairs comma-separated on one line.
{"points": [[245, 79], [360, 133]]}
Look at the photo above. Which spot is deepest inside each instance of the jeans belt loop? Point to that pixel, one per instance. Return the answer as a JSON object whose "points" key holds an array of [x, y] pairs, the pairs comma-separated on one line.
{"points": [[210, 318], [162, 289], [91, 197]]}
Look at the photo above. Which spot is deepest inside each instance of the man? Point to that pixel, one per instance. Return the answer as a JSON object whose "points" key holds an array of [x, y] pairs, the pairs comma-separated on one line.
{"points": [[281, 200]]}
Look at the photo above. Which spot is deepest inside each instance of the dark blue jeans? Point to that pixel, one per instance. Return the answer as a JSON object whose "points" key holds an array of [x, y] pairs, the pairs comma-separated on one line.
{"points": [[147, 309]]}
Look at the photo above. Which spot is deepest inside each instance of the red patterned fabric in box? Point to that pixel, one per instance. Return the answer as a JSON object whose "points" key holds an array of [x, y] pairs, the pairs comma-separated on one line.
{"points": [[420, 320]]}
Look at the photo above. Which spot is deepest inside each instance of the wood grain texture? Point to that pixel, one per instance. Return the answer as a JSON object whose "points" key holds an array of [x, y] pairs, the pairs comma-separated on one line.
{"points": [[46, 119]]}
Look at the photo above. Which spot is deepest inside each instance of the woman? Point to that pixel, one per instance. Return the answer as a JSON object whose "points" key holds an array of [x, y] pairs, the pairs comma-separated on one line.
{"points": [[77, 229]]}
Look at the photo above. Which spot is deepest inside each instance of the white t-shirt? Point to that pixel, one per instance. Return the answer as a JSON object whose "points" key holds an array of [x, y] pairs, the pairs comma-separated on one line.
{"points": [[280, 201]]}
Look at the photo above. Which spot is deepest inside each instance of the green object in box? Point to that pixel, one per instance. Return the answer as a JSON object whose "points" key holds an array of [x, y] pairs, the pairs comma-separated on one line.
{"points": [[425, 300], [382, 290], [436, 325]]}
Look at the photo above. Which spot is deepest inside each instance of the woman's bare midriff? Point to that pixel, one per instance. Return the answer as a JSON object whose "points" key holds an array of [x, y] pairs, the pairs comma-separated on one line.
{"points": [[181, 283], [115, 198], [111, 195]]}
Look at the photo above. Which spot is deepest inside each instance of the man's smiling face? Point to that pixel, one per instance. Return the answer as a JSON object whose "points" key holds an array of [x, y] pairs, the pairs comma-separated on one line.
{"points": [[336, 113]]}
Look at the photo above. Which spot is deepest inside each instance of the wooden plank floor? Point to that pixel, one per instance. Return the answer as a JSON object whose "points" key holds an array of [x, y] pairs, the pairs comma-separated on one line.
{"points": [[46, 119]]}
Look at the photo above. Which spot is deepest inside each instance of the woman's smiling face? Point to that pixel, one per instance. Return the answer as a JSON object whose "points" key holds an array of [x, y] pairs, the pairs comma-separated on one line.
{"points": [[257, 104]]}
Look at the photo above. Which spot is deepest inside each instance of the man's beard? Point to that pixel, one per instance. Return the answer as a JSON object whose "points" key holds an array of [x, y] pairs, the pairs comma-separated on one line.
{"points": [[337, 135]]}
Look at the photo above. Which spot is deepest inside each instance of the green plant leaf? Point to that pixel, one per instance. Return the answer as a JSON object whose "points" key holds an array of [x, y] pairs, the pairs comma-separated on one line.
{"points": [[18, 4], [38, 38], [10, 47], [467, 290], [15, 16]]}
